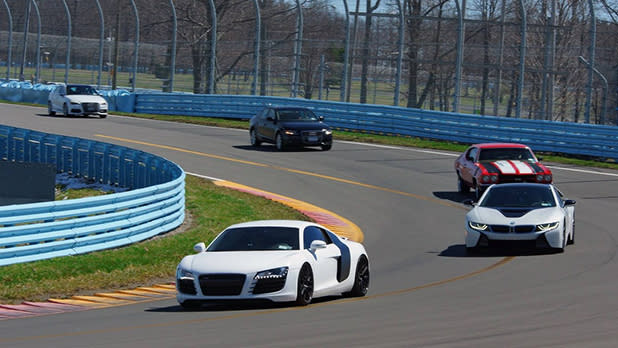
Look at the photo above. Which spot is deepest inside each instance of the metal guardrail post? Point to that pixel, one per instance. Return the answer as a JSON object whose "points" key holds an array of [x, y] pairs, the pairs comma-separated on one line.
{"points": [[135, 45], [101, 40], [593, 39], [522, 60], [9, 59], [69, 28], [256, 49], [173, 53]]}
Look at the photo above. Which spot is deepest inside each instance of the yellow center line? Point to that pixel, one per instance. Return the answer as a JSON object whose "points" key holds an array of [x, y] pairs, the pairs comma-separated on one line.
{"points": [[290, 170]]}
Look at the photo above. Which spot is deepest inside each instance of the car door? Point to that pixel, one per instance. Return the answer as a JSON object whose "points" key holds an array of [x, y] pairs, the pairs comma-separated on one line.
{"points": [[266, 124], [57, 98], [468, 168], [326, 260]]}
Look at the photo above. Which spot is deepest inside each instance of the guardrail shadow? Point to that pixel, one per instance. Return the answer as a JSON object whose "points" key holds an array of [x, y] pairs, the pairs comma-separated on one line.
{"points": [[272, 148]]}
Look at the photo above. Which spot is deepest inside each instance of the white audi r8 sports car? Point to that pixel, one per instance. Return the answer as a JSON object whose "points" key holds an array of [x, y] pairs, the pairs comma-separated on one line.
{"points": [[276, 260], [76, 100], [527, 213]]}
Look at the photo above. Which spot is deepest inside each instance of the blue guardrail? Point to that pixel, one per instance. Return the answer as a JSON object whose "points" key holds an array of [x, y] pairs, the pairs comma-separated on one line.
{"points": [[155, 204]]}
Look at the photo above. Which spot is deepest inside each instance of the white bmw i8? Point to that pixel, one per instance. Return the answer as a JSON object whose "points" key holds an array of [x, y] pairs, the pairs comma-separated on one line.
{"points": [[276, 260], [524, 213]]}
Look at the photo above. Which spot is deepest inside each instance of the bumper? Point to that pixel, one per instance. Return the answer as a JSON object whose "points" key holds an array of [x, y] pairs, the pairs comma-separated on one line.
{"points": [[286, 294], [308, 140], [554, 237], [81, 110]]}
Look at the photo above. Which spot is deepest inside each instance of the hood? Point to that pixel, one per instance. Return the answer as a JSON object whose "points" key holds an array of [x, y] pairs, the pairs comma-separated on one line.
{"points": [[77, 98], [511, 167], [303, 125], [240, 261], [493, 216]]}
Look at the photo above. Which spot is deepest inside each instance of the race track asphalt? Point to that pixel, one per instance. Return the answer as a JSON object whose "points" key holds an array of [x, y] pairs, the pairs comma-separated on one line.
{"points": [[425, 291]]}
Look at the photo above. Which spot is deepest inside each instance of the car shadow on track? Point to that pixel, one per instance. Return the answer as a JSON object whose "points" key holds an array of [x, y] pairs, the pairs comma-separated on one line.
{"points": [[239, 305], [72, 117], [459, 250], [272, 148], [453, 196]]}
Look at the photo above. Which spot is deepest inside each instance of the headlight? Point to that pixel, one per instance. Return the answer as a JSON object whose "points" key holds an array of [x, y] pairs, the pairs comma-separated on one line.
{"points": [[547, 227], [103, 104], [327, 131], [539, 178], [275, 273], [486, 178], [74, 103], [548, 177], [494, 179], [289, 132], [477, 226], [184, 274]]}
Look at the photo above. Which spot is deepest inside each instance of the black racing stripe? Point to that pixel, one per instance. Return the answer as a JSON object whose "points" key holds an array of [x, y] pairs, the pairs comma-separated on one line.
{"points": [[343, 271], [536, 168], [489, 167]]}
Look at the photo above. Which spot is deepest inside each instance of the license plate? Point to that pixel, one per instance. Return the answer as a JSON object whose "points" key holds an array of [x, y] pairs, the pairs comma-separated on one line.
{"points": [[312, 138]]}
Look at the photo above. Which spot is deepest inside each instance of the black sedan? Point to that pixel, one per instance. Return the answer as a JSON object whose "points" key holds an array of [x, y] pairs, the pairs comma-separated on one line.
{"points": [[290, 126]]}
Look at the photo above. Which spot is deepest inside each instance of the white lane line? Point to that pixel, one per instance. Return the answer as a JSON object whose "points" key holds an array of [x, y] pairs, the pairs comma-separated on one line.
{"points": [[204, 176], [586, 171]]}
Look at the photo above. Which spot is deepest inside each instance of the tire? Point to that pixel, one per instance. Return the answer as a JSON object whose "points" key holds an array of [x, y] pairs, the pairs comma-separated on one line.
{"points": [[279, 142], [50, 111], [304, 290], [326, 147], [102, 116], [65, 110], [461, 185], [361, 278], [191, 304], [254, 138]]}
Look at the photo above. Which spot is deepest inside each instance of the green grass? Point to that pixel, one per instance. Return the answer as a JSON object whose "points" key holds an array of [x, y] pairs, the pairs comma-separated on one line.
{"points": [[210, 209]]}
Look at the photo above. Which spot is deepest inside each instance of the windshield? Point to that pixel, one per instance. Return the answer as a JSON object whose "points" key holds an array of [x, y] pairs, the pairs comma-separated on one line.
{"points": [[529, 196], [83, 90], [297, 115], [257, 238], [492, 155]]}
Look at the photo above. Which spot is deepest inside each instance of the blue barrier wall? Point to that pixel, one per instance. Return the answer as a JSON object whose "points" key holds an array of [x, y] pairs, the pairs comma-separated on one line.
{"points": [[558, 137], [45, 230]]}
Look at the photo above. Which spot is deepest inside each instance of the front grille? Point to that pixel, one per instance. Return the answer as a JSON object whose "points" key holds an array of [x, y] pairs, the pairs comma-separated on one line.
{"points": [[186, 286], [222, 284], [313, 136], [517, 178], [263, 286], [89, 107], [512, 229]]}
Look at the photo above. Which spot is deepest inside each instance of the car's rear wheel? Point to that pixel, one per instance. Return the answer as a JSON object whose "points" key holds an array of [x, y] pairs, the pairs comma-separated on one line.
{"points": [[461, 185], [50, 110], [304, 291], [361, 278], [279, 142], [254, 138], [326, 147]]}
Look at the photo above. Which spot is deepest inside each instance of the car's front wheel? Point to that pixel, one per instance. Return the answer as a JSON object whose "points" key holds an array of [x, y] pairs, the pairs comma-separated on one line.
{"points": [[65, 110], [361, 279], [102, 115], [254, 138], [304, 291], [326, 147], [279, 142], [571, 240], [50, 110]]}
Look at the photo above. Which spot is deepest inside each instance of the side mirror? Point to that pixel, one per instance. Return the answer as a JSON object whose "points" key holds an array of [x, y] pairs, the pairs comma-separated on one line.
{"points": [[199, 247], [569, 202], [317, 244]]}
